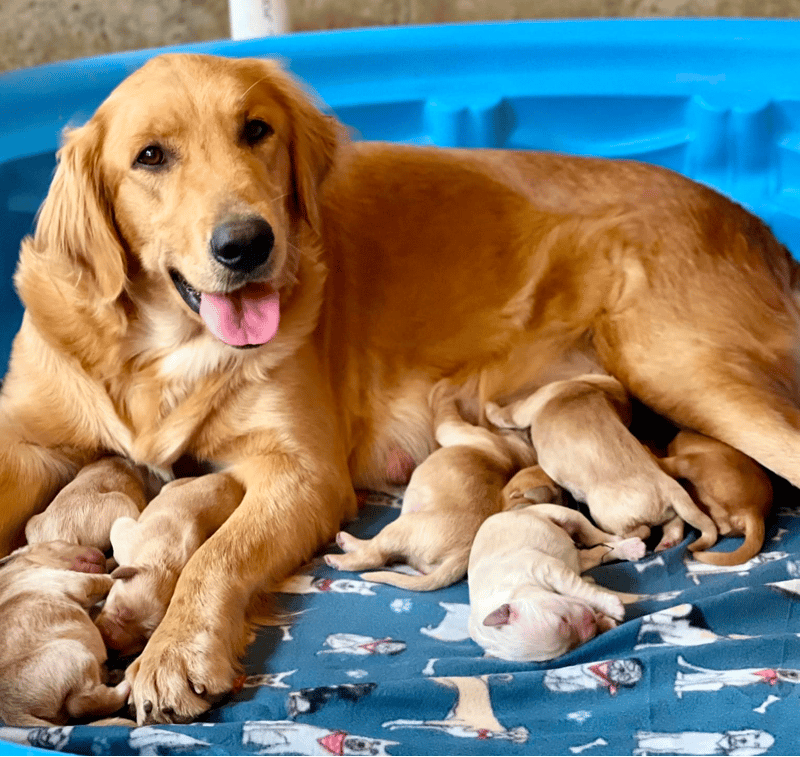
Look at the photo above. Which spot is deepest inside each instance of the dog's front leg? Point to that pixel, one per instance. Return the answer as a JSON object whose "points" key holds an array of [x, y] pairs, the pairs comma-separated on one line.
{"points": [[293, 505]]}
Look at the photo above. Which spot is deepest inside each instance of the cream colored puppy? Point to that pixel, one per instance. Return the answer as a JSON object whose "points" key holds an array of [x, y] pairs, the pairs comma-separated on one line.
{"points": [[84, 510], [52, 656], [528, 601], [579, 429], [448, 497], [152, 551]]}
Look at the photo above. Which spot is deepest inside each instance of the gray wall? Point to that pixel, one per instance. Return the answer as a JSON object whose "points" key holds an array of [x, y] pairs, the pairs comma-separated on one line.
{"points": [[39, 31]]}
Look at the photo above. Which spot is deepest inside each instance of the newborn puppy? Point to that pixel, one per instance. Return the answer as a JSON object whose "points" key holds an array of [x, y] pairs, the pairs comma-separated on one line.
{"points": [[84, 510], [152, 551], [51, 659], [527, 599], [579, 430], [448, 497], [734, 489]]}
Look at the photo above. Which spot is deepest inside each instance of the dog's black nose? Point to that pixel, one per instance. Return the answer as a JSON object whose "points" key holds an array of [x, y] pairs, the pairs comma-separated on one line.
{"points": [[242, 244]]}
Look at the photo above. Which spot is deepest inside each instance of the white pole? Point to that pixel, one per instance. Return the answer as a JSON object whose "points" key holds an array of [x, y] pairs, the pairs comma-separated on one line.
{"points": [[257, 18]]}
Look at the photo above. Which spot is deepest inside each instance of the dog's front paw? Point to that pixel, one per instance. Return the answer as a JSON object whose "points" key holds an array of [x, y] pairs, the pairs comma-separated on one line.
{"points": [[179, 675], [612, 607]]}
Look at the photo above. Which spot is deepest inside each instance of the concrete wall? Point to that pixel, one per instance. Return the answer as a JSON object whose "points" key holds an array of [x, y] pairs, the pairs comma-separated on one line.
{"points": [[39, 31]]}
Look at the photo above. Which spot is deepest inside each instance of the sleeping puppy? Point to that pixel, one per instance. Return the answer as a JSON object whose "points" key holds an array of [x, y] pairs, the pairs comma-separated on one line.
{"points": [[527, 599], [731, 487], [52, 656], [84, 510], [218, 272], [152, 551], [579, 429], [448, 497]]}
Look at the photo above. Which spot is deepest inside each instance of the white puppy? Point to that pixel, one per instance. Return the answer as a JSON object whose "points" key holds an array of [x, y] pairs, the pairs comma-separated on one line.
{"points": [[51, 659], [527, 599], [153, 551]]}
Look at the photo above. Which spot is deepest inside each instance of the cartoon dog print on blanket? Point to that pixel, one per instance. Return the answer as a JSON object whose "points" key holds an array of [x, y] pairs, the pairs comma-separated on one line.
{"points": [[708, 679], [680, 626], [305, 584], [353, 643], [745, 742], [454, 626], [611, 675], [697, 570], [288, 737], [306, 701], [471, 716]]}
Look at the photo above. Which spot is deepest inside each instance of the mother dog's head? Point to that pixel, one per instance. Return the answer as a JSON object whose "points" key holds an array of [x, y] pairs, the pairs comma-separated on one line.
{"points": [[192, 183]]}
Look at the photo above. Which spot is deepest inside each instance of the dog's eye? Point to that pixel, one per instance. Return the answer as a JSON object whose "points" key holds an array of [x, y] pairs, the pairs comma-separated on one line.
{"points": [[255, 130], [152, 155]]}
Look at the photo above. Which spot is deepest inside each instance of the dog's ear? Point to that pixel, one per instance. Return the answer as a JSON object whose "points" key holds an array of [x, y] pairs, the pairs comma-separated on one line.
{"points": [[499, 617], [312, 143], [124, 572], [76, 222]]}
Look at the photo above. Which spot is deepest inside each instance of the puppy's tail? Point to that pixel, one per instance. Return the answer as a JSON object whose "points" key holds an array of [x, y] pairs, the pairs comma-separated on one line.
{"points": [[453, 568], [685, 506], [753, 541]]}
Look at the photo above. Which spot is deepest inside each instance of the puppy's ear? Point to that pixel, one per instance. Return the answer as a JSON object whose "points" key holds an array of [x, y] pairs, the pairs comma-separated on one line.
{"points": [[124, 572], [76, 222], [312, 143], [499, 617]]}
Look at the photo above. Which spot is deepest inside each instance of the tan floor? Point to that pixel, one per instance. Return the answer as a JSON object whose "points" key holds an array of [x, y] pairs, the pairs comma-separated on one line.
{"points": [[39, 31]]}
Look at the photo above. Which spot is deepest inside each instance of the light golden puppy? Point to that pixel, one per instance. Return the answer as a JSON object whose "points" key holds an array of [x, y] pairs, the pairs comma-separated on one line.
{"points": [[579, 428], [52, 656], [152, 551], [448, 497], [209, 206], [85, 509], [733, 489], [527, 599]]}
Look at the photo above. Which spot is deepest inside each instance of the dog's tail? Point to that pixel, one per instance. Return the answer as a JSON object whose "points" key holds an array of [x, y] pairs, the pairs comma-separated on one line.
{"points": [[753, 541], [453, 568]]}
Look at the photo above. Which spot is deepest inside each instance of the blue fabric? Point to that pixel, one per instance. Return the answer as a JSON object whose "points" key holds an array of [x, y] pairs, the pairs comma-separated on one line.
{"points": [[709, 663]]}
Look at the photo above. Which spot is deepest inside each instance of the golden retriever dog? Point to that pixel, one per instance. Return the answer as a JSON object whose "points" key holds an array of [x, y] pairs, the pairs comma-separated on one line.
{"points": [[51, 661], [217, 272], [579, 427], [448, 496], [733, 489], [151, 551], [86, 508]]}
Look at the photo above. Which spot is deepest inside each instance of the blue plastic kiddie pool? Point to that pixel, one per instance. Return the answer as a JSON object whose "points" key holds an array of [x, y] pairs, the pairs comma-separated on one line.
{"points": [[717, 100]]}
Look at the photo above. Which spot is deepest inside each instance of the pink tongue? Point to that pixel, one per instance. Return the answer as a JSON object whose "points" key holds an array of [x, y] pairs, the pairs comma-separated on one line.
{"points": [[248, 316]]}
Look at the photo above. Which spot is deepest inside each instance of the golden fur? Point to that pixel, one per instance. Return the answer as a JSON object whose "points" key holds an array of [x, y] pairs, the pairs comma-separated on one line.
{"points": [[733, 489], [51, 661], [447, 498], [396, 266]]}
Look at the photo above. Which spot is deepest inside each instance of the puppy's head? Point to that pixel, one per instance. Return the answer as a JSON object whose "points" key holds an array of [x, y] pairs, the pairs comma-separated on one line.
{"points": [[135, 606], [192, 182], [535, 627]]}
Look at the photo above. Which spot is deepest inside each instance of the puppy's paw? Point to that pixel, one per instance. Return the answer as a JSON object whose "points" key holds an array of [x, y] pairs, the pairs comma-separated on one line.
{"points": [[334, 561], [604, 623], [629, 549], [499, 416], [346, 542], [612, 607]]}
